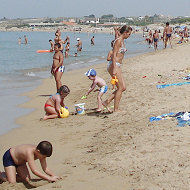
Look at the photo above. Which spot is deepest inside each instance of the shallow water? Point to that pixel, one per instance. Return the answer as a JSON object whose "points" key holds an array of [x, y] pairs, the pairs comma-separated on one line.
{"points": [[21, 68]]}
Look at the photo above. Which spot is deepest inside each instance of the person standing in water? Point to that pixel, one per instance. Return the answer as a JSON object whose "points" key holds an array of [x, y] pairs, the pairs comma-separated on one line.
{"points": [[167, 34], [57, 68], [67, 48], [155, 39], [92, 41], [25, 39], [79, 45], [19, 40], [114, 66]]}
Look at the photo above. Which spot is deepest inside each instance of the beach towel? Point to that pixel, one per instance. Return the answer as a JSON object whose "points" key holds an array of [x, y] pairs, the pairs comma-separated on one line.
{"points": [[174, 84], [183, 118]]}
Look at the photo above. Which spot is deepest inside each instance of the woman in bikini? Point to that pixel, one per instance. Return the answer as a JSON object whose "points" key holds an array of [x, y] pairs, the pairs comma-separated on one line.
{"points": [[114, 66], [55, 102], [57, 68]]}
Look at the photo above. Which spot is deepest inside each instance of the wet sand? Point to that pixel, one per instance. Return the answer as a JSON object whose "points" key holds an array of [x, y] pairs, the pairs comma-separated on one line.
{"points": [[121, 150]]}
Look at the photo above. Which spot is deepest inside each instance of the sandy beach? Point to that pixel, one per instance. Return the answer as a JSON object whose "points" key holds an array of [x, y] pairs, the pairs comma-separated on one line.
{"points": [[114, 151]]}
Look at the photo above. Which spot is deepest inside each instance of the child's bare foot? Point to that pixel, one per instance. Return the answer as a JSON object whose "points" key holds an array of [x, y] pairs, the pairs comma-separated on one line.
{"points": [[44, 118]]}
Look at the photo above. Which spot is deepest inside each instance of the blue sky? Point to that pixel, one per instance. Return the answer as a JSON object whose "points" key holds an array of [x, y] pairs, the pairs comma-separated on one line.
{"points": [[79, 8]]}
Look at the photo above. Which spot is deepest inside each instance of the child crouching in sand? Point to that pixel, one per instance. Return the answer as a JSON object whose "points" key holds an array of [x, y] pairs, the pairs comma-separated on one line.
{"points": [[55, 102], [91, 74], [15, 159]]}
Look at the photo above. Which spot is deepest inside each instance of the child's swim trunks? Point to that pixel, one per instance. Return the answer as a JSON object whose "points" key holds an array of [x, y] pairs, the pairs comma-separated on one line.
{"points": [[104, 89], [8, 160]]}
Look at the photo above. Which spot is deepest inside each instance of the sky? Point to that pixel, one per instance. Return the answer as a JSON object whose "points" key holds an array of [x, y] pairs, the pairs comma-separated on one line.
{"points": [[80, 8]]}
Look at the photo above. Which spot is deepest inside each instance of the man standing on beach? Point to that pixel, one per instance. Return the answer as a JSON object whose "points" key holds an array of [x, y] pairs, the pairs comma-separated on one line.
{"points": [[167, 34]]}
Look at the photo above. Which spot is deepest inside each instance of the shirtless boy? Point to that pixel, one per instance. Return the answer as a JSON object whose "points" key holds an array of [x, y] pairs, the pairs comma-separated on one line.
{"points": [[155, 39], [15, 159], [167, 34], [57, 68], [91, 74]]}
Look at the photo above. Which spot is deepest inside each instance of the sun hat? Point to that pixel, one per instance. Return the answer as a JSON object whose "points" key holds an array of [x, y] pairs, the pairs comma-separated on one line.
{"points": [[90, 72]]}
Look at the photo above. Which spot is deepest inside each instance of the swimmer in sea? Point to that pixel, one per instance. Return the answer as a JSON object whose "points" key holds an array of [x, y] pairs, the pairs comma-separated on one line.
{"points": [[25, 39], [67, 48], [19, 40], [79, 44], [92, 41], [57, 68], [58, 31], [155, 39], [167, 35], [52, 45]]}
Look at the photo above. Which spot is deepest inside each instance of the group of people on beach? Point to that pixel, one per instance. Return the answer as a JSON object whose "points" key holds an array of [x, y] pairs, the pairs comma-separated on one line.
{"points": [[167, 36], [155, 37], [15, 158], [115, 57]]}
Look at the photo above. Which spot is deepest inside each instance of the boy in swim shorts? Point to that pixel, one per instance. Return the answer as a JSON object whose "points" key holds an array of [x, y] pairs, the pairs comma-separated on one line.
{"points": [[91, 74], [15, 159]]}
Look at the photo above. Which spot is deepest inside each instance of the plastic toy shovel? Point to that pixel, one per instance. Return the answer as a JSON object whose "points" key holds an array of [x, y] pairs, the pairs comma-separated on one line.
{"points": [[84, 97]]}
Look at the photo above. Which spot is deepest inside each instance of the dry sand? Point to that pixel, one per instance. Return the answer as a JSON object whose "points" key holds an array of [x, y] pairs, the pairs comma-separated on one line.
{"points": [[115, 151]]}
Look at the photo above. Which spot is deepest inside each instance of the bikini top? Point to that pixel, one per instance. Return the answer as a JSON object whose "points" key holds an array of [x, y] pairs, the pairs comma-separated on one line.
{"points": [[123, 48]]}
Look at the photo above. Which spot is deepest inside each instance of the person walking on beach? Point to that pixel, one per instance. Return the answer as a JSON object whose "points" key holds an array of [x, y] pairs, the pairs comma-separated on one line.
{"points": [[114, 67], [167, 34], [25, 39], [57, 68], [92, 41], [155, 39], [15, 159], [79, 44]]}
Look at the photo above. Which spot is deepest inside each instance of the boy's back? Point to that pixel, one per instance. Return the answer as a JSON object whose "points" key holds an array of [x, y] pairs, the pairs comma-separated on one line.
{"points": [[22, 153]]}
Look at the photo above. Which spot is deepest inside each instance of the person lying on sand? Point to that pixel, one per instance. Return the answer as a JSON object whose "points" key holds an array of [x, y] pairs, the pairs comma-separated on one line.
{"points": [[15, 159], [91, 74], [55, 102]]}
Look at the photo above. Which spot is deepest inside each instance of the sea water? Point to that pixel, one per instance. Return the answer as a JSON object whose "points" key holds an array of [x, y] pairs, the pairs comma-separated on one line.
{"points": [[21, 68]]}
